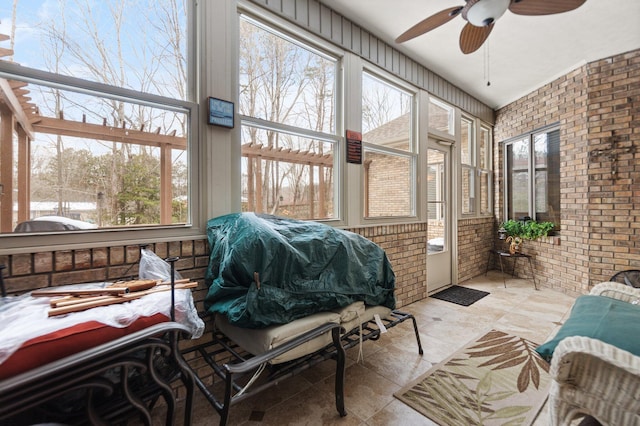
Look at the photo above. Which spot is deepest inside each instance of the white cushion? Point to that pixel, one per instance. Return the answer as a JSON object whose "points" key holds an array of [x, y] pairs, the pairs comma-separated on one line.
{"points": [[367, 316], [351, 312], [257, 341], [260, 340]]}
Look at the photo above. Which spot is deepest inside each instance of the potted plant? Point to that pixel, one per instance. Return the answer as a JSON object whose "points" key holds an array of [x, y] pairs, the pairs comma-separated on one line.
{"points": [[519, 230]]}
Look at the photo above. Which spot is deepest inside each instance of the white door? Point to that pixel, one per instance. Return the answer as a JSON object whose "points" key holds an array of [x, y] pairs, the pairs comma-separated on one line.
{"points": [[439, 252]]}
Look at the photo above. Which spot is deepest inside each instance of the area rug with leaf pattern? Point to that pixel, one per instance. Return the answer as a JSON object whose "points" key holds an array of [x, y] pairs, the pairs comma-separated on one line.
{"points": [[499, 379]]}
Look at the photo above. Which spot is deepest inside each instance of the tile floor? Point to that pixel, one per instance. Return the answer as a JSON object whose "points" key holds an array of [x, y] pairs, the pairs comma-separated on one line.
{"points": [[393, 361]]}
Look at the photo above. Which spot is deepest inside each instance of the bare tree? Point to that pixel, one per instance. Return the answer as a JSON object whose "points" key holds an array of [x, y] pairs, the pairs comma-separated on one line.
{"points": [[98, 44], [281, 82]]}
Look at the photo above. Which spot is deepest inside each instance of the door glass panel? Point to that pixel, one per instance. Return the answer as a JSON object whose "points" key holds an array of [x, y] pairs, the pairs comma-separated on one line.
{"points": [[436, 207]]}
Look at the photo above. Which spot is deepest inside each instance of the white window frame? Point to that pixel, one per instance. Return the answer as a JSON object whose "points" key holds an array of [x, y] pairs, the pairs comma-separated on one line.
{"points": [[476, 170], [412, 153], [295, 35], [453, 119], [531, 170], [488, 169], [135, 235], [469, 167]]}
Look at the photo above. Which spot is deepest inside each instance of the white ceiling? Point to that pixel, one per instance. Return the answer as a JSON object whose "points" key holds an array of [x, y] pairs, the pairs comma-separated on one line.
{"points": [[522, 52]]}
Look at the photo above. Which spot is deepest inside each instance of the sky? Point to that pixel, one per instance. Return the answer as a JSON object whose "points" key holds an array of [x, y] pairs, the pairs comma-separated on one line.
{"points": [[91, 25], [81, 19]]}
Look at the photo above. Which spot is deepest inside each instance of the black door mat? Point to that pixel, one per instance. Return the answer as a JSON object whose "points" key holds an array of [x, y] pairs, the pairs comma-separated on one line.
{"points": [[464, 296]]}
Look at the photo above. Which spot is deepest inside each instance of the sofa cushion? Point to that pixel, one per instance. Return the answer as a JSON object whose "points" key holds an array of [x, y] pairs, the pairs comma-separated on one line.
{"points": [[260, 340], [351, 312], [608, 320], [68, 341], [367, 315]]}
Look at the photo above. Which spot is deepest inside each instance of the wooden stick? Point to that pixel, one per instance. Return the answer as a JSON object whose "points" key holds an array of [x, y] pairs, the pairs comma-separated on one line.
{"points": [[81, 297], [137, 285], [110, 300], [77, 307], [56, 300], [167, 287], [134, 283], [75, 300], [180, 281], [78, 292]]}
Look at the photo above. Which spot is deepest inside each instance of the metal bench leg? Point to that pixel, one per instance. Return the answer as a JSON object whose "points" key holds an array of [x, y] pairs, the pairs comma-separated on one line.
{"points": [[340, 367], [415, 329]]}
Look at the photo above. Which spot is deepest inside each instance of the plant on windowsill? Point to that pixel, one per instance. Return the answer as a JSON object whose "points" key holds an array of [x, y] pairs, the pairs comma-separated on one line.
{"points": [[519, 230]]}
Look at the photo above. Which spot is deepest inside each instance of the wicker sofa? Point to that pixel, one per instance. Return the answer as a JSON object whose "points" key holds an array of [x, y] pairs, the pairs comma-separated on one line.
{"points": [[591, 377]]}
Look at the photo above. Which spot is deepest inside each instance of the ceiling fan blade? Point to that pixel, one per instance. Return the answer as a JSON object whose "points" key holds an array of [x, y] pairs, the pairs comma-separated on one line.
{"points": [[426, 25], [472, 37], [543, 7]]}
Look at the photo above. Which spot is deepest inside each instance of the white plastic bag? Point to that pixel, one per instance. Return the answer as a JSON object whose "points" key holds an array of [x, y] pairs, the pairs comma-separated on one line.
{"points": [[153, 267]]}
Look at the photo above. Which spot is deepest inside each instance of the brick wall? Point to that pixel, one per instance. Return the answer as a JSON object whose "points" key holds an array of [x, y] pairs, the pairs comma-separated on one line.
{"points": [[614, 164], [406, 248], [600, 216], [475, 239], [28, 271]]}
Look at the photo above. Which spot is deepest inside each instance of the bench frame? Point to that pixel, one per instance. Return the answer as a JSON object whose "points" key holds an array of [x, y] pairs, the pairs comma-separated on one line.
{"points": [[237, 374], [137, 353]]}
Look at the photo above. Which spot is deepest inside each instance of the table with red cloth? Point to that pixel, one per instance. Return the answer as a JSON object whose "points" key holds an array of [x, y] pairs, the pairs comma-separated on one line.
{"points": [[32, 342], [29, 337]]}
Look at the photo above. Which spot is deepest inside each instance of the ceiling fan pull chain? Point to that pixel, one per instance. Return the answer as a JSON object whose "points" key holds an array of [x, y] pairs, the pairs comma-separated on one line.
{"points": [[487, 64]]}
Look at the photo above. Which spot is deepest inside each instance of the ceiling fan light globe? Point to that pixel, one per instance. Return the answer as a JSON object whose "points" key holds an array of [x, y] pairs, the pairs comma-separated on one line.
{"points": [[484, 12]]}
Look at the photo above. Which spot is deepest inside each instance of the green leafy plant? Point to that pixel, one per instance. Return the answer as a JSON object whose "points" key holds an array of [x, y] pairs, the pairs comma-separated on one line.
{"points": [[527, 230]]}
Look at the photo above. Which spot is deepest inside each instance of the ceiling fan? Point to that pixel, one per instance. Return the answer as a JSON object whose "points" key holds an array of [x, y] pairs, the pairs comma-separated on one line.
{"points": [[481, 16]]}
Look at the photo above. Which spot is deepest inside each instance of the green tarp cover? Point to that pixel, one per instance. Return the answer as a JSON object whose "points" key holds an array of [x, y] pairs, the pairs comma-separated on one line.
{"points": [[302, 267]]}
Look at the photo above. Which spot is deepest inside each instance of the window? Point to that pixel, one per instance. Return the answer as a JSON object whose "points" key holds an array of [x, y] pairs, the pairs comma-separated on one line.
{"points": [[103, 116], [476, 169], [485, 170], [532, 175], [288, 99], [468, 162], [388, 148], [441, 116]]}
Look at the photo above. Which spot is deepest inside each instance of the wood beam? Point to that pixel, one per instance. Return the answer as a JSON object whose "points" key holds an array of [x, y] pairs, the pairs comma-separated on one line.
{"points": [[322, 210], [6, 169], [12, 102], [5, 52], [16, 84], [250, 184], [79, 129], [258, 190], [288, 155], [24, 181], [312, 192], [21, 92], [166, 189]]}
